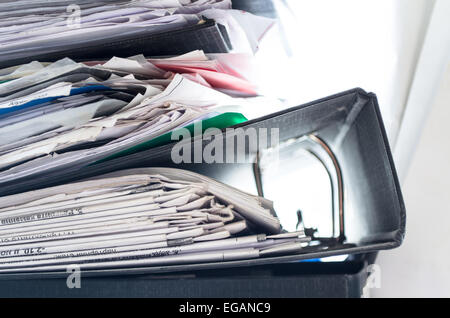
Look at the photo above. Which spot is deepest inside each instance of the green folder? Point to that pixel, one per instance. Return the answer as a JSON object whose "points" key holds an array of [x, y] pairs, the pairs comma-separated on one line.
{"points": [[220, 121]]}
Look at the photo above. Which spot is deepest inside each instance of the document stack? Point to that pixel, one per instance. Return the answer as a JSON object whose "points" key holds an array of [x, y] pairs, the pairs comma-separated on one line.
{"points": [[67, 113], [95, 98], [74, 94], [136, 218], [50, 30]]}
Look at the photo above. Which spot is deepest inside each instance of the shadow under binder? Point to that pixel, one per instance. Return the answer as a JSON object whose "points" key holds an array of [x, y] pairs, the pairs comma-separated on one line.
{"points": [[349, 123]]}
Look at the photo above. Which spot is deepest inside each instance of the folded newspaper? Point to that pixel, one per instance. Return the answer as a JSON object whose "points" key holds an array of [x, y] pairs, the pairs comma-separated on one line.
{"points": [[138, 218]]}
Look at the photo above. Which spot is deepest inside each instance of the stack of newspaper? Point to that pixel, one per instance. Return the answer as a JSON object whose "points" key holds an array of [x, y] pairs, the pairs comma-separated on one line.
{"points": [[138, 218]]}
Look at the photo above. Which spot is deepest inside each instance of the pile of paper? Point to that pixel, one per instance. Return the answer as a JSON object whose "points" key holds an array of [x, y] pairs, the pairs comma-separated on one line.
{"points": [[138, 218], [52, 26], [55, 115]]}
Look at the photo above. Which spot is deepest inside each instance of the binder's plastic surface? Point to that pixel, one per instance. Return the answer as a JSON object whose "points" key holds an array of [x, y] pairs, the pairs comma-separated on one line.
{"points": [[208, 36], [350, 123], [276, 281]]}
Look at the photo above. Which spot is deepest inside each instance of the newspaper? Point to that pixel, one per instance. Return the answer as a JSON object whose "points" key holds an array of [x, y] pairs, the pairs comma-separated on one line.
{"points": [[138, 218]]}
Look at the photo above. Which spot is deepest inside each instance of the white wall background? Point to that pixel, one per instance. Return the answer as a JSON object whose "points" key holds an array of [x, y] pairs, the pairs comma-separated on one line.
{"points": [[421, 266], [330, 46]]}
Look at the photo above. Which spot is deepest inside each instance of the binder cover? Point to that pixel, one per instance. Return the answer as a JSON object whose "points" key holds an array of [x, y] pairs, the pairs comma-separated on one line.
{"points": [[349, 122], [343, 280], [208, 36]]}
